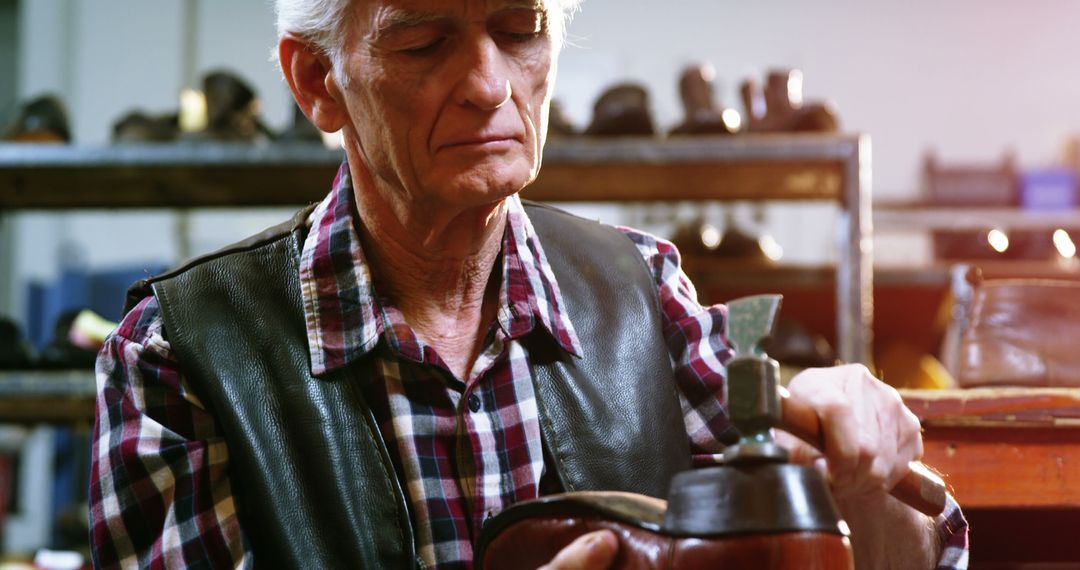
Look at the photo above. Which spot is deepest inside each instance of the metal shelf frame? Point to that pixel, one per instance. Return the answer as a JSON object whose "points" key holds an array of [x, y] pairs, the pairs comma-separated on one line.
{"points": [[745, 167]]}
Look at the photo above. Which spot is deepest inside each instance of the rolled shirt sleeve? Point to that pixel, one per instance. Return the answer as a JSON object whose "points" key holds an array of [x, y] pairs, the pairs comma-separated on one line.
{"points": [[159, 489]]}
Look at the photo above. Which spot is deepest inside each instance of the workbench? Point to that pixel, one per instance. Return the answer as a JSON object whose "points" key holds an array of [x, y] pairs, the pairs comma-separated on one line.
{"points": [[1011, 457]]}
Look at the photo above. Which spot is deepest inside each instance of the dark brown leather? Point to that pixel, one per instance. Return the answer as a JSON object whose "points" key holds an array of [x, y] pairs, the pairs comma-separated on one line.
{"points": [[611, 418], [43, 119], [1022, 332], [232, 109], [774, 109], [530, 542], [622, 110], [701, 115]]}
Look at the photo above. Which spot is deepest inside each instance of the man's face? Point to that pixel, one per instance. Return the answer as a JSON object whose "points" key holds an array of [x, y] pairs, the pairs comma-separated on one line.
{"points": [[448, 99]]}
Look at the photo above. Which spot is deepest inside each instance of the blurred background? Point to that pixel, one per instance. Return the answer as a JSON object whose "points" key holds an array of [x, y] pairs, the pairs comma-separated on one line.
{"points": [[968, 106]]}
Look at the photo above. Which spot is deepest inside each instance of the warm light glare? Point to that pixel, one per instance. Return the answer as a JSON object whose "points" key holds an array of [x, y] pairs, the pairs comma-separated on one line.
{"points": [[771, 249], [794, 88], [998, 240], [710, 236], [1064, 244], [708, 72], [732, 119], [332, 140], [192, 117]]}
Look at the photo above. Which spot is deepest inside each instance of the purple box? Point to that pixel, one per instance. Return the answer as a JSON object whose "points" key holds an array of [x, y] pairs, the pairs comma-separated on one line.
{"points": [[1048, 189]]}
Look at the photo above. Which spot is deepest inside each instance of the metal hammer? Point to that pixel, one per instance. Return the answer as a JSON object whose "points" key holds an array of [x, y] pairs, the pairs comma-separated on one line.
{"points": [[757, 403]]}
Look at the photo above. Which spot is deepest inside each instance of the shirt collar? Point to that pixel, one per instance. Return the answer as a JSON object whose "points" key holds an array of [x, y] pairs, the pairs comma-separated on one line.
{"points": [[343, 317]]}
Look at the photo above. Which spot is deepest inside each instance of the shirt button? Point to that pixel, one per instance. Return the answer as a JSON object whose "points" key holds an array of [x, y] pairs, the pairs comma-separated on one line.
{"points": [[474, 403]]}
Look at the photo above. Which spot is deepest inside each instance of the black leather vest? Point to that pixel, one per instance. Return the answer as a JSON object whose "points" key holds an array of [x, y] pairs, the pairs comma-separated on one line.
{"points": [[313, 481]]}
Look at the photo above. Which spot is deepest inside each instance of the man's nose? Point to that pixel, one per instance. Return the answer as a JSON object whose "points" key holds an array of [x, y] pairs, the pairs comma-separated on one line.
{"points": [[486, 81]]}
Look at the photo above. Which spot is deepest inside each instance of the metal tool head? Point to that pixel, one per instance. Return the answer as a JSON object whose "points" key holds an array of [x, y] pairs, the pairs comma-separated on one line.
{"points": [[753, 378], [751, 320]]}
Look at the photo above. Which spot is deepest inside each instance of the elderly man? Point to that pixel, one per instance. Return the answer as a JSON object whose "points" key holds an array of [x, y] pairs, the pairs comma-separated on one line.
{"points": [[369, 383]]}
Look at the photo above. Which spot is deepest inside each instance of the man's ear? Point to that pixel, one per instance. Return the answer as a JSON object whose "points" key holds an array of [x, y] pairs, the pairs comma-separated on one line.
{"points": [[309, 75]]}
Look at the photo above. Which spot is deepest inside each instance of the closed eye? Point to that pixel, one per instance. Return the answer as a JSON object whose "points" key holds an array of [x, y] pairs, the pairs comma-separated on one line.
{"points": [[519, 37], [425, 49]]}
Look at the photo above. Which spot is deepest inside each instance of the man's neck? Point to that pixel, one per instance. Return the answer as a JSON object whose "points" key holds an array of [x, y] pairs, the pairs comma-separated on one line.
{"points": [[438, 268]]}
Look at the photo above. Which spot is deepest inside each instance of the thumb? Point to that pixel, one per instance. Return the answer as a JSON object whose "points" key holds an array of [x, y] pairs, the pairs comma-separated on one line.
{"points": [[592, 551], [802, 453]]}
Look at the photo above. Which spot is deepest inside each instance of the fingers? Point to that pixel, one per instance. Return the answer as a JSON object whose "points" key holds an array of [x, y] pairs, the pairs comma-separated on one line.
{"points": [[592, 551], [799, 452], [869, 434]]}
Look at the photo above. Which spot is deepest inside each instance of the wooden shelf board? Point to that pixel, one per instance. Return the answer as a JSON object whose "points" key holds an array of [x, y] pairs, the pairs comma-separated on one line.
{"points": [[752, 167], [996, 407], [714, 271], [29, 396], [912, 217], [764, 180]]}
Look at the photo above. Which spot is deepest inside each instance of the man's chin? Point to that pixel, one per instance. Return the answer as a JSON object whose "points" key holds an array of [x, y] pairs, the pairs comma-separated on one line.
{"points": [[484, 187]]}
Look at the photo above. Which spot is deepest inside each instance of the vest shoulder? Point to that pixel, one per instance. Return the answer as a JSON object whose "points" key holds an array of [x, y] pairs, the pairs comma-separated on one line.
{"points": [[143, 288], [586, 255], [550, 222]]}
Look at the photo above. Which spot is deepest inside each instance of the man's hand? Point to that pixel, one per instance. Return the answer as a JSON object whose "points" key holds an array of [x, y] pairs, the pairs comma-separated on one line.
{"points": [[593, 551], [870, 437]]}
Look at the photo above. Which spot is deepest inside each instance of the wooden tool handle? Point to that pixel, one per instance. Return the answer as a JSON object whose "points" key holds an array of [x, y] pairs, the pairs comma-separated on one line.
{"points": [[920, 488]]}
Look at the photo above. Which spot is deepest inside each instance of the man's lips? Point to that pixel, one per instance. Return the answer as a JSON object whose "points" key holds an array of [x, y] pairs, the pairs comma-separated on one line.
{"points": [[481, 140]]}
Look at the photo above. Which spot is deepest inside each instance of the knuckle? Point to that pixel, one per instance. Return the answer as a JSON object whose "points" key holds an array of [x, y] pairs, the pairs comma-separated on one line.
{"points": [[867, 450], [914, 424], [879, 474], [889, 393], [832, 406]]}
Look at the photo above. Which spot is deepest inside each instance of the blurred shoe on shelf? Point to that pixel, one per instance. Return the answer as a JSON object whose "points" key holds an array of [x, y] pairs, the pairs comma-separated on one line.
{"points": [[14, 349], [780, 108], [701, 114], [559, 124], [696, 237], [699, 237], [794, 345], [738, 244], [622, 110], [61, 353], [301, 130], [40, 120], [138, 127], [232, 109]]}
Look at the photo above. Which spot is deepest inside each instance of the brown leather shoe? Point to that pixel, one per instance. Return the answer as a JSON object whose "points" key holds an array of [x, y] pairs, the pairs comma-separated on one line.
{"points": [[1021, 332], [41, 120], [622, 110], [701, 115], [780, 108], [232, 109], [767, 517], [138, 127]]}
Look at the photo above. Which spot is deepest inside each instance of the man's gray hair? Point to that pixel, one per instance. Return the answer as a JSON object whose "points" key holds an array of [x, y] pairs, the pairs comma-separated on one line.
{"points": [[323, 22]]}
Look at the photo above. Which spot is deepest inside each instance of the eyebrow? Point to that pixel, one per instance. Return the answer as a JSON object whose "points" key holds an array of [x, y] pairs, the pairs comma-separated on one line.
{"points": [[395, 19]]}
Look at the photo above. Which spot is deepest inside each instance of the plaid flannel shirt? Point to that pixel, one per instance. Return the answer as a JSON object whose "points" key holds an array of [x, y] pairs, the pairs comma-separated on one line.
{"points": [[463, 449]]}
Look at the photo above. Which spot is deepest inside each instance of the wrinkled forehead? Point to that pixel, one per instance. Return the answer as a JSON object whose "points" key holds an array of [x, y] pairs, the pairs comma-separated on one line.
{"points": [[382, 14]]}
